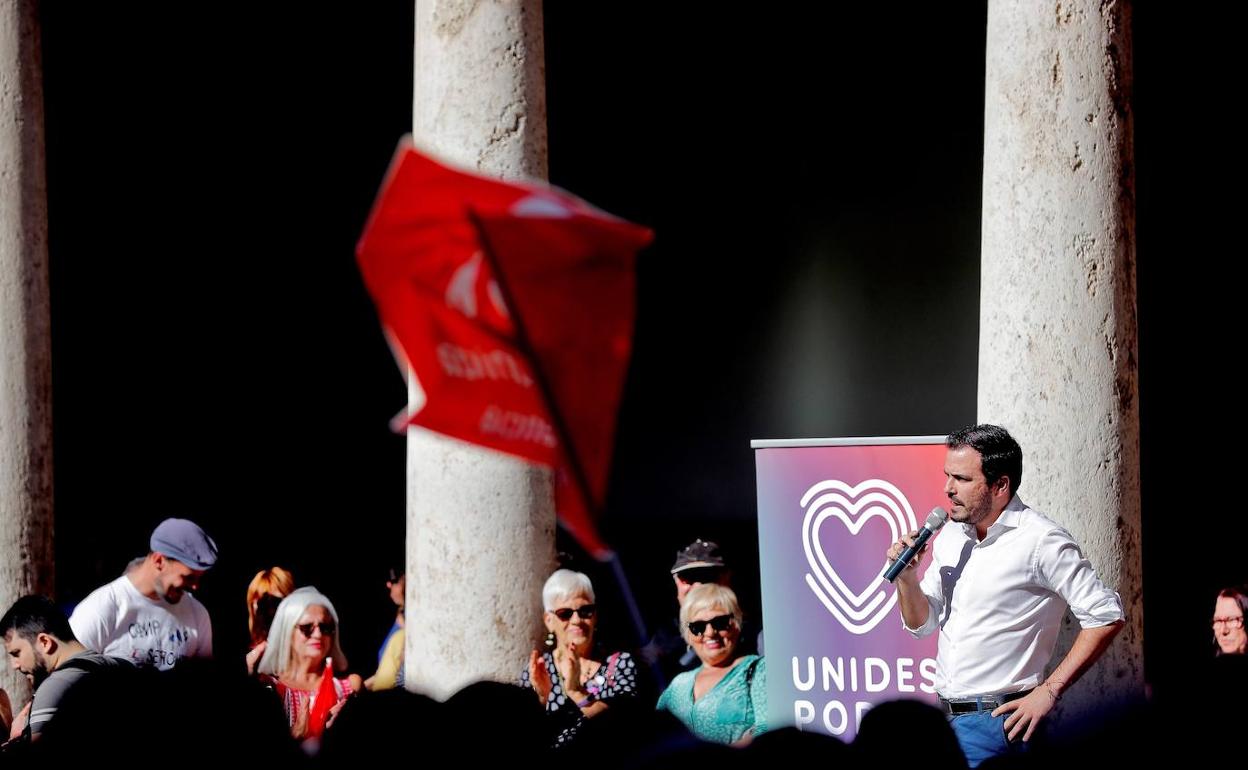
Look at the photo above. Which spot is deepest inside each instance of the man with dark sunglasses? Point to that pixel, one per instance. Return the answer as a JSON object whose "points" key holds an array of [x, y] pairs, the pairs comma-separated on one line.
{"points": [[699, 563]]}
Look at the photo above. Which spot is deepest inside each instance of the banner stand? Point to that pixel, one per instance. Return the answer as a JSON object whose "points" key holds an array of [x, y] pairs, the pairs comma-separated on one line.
{"points": [[828, 510]]}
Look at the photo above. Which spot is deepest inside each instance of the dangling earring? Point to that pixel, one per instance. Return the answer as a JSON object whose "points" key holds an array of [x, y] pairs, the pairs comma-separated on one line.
{"points": [[550, 638]]}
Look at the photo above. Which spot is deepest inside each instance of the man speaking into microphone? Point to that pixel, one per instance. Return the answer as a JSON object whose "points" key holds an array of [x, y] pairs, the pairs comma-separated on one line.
{"points": [[1001, 578]]}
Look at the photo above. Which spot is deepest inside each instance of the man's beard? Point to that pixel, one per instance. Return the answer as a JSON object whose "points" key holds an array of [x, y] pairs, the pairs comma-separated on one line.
{"points": [[165, 592]]}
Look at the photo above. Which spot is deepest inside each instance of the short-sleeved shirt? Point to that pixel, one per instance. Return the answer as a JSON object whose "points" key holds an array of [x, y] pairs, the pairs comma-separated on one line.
{"points": [[52, 690], [116, 619]]}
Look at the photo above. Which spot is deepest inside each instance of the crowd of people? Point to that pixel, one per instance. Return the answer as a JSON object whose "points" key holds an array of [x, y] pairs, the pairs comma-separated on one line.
{"points": [[137, 652]]}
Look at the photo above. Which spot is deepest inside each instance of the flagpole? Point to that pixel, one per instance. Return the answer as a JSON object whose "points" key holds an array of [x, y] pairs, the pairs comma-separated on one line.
{"points": [[622, 579], [556, 417], [539, 376]]}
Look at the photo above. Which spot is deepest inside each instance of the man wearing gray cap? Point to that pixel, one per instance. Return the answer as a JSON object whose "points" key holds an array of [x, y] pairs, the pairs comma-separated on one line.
{"points": [[147, 615], [698, 563]]}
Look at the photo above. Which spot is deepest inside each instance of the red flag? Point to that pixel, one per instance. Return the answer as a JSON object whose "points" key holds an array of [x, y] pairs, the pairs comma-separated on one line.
{"points": [[325, 699], [513, 305]]}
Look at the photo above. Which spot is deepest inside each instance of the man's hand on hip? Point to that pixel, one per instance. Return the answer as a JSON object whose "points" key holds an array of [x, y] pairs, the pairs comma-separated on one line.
{"points": [[1028, 711]]}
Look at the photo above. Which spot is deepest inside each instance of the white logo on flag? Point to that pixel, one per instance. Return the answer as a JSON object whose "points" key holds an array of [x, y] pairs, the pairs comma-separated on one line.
{"points": [[461, 292], [852, 506]]}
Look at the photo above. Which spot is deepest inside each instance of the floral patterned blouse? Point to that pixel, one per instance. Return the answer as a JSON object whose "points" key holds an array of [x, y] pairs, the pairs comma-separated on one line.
{"points": [[616, 678]]}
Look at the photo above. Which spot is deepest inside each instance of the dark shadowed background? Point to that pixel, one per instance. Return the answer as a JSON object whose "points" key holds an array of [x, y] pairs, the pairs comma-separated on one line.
{"points": [[814, 181]]}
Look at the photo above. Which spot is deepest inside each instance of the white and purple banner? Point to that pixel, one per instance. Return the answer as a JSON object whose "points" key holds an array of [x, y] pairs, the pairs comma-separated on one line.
{"points": [[828, 509]]}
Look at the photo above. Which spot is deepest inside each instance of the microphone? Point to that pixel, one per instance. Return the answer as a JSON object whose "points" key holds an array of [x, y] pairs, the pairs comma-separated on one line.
{"points": [[935, 520]]}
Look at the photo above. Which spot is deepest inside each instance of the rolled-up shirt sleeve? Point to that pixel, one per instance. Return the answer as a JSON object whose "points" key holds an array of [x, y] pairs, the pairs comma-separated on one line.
{"points": [[1061, 565], [930, 585]]}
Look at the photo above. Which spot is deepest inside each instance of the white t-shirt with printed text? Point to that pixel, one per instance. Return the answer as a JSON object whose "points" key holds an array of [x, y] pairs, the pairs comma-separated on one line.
{"points": [[116, 619]]}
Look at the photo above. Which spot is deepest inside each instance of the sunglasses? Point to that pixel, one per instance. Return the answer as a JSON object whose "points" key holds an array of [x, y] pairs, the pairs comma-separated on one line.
{"points": [[719, 623], [700, 575], [327, 629], [586, 611]]}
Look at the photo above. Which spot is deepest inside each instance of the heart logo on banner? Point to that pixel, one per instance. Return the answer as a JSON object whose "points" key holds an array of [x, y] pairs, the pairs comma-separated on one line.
{"points": [[858, 611]]}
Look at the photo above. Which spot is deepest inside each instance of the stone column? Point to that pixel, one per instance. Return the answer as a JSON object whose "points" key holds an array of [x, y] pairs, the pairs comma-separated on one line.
{"points": [[1057, 351], [25, 341], [480, 524]]}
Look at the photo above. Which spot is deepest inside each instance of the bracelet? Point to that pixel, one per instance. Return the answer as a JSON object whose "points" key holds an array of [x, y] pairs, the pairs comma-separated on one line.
{"points": [[583, 702], [1048, 686]]}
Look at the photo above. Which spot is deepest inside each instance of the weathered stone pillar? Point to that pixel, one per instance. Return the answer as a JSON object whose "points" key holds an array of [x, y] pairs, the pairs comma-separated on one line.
{"points": [[1057, 351], [25, 337], [480, 524]]}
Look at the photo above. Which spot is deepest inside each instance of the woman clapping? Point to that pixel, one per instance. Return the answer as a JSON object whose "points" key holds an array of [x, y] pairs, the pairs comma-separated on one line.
{"points": [[570, 678]]}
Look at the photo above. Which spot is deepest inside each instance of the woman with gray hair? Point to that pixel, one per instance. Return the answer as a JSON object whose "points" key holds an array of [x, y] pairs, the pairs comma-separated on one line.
{"points": [[725, 699], [571, 680], [300, 661]]}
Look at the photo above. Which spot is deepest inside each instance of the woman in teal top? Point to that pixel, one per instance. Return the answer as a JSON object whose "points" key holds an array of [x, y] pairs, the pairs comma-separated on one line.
{"points": [[725, 699]]}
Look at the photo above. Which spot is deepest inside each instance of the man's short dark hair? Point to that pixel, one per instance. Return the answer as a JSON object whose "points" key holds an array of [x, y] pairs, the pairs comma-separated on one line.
{"points": [[33, 615], [999, 453]]}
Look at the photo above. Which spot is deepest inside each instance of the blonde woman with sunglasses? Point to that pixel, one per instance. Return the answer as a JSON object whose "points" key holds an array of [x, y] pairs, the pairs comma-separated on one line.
{"points": [[303, 649], [725, 699], [570, 679]]}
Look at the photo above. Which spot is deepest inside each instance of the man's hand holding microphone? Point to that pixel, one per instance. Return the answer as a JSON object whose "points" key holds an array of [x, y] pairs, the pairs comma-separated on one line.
{"points": [[904, 555]]}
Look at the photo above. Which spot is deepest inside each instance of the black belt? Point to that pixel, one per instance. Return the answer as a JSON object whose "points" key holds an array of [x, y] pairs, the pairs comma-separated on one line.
{"points": [[982, 703]]}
